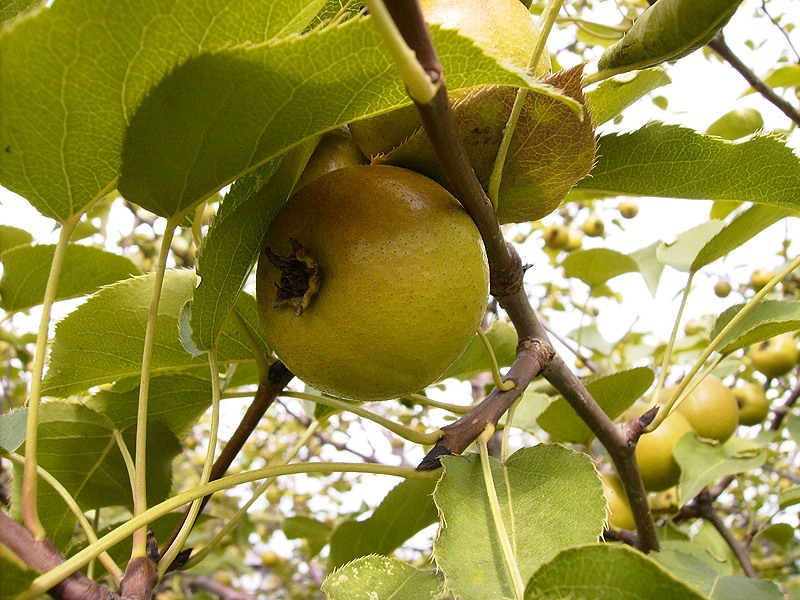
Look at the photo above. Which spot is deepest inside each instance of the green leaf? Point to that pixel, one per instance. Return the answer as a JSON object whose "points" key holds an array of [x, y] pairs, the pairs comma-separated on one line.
{"points": [[550, 497], [503, 338], [743, 227], [606, 571], [76, 445], [666, 31], [767, 319], [187, 139], [17, 576], [316, 533], [27, 268], [12, 236], [552, 147], [675, 162], [103, 339], [789, 497], [597, 265], [406, 509], [787, 76], [737, 123], [176, 400], [703, 462], [693, 563], [739, 587], [614, 393], [375, 577], [10, 9], [614, 95], [649, 266], [62, 144], [681, 254], [232, 244], [12, 428]]}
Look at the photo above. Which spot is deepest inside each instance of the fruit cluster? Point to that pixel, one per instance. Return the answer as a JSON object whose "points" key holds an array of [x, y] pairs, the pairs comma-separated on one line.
{"points": [[712, 411]]}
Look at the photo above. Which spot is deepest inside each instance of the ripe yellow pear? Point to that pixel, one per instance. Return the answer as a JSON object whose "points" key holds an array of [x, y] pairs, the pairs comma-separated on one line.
{"points": [[711, 409], [657, 465], [373, 281]]}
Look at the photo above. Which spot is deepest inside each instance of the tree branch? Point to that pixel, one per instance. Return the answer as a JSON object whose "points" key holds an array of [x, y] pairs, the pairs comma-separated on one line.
{"points": [[43, 556], [535, 353], [719, 46], [279, 377], [704, 504]]}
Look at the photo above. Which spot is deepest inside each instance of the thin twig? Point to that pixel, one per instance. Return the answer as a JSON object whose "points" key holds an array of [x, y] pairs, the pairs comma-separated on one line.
{"points": [[535, 354], [719, 46]]}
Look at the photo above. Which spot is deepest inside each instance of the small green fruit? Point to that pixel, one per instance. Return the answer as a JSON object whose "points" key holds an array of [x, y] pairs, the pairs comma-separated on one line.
{"points": [[760, 277], [722, 289], [593, 226], [657, 466], [694, 327], [711, 409], [753, 403], [776, 356], [335, 150], [556, 237], [382, 281], [575, 241], [618, 510], [628, 209]]}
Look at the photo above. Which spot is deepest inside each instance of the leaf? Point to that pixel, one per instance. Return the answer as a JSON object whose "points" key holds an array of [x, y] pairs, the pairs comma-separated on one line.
{"points": [[703, 462], [649, 266], [606, 571], [187, 139], [103, 339], [668, 30], [62, 144], [231, 246], [743, 227], [739, 587], [175, 400], [552, 147], [12, 428], [737, 123], [27, 268], [693, 563], [375, 577], [786, 76], [675, 162], [789, 497], [407, 509], [316, 533], [13, 8], [12, 236], [614, 95], [767, 319], [550, 497], [17, 576], [597, 265], [614, 393], [503, 338], [682, 253], [76, 446]]}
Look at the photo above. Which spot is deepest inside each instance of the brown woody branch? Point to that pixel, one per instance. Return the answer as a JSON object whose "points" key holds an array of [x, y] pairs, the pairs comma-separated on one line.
{"points": [[720, 46], [279, 376], [535, 353], [43, 556]]}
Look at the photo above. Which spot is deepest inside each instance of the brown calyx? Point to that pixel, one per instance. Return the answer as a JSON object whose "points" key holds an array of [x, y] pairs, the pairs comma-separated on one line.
{"points": [[300, 280]]}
